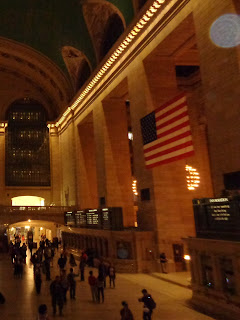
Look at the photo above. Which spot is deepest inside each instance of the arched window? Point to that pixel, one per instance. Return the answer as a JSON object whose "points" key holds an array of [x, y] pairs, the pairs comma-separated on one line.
{"points": [[83, 74], [27, 145], [114, 28]]}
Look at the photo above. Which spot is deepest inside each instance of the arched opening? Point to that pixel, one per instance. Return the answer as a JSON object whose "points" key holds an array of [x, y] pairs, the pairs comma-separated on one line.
{"points": [[83, 74], [114, 28], [27, 145], [78, 66], [32, 230], [28, 201]]}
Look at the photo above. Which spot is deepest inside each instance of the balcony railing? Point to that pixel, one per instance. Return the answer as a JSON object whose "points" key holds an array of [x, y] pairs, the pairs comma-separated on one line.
{"points": [[35, 209]]}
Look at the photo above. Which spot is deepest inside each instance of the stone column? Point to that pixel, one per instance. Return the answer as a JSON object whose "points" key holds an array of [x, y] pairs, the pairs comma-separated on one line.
{"points": [[86, 165], [216, 272], [98, 122], [67, 143], [3, 200], [55, 167], [117, 159], [194, 267], [141, 105], [221, 83]]}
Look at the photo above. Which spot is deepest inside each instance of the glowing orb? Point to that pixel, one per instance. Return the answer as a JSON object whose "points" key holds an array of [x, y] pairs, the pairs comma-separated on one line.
{"points": [[225, 31]]}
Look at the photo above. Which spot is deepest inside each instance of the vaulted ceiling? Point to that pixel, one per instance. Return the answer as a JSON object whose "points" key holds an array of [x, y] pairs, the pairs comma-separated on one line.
{"points": [[48, 49]]}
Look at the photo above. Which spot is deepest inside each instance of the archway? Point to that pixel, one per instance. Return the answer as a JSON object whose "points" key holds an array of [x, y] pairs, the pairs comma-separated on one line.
{"points": [[113, 29], [28, 201], [39, 229]]}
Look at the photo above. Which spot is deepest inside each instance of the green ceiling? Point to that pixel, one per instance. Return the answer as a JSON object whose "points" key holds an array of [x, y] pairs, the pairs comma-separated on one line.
{"points": [[48, 25]]}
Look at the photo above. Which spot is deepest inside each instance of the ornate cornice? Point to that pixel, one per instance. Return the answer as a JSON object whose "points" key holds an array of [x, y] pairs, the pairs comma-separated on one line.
{"points": [[142, 32]]}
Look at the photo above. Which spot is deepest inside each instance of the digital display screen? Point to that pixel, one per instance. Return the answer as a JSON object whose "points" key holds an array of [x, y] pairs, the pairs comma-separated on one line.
{"points": [[217, 217], [105, 218], [80, 218]]}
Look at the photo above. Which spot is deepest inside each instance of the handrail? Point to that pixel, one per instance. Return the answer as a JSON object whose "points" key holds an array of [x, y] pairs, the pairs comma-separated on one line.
{"points": [[50, 209]]}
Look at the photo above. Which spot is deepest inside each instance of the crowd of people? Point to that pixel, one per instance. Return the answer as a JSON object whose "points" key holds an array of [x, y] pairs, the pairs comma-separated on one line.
{"points": [[42, 261]]}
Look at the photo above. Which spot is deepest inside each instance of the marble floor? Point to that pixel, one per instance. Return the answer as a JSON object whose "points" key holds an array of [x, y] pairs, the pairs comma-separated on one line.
{"points": [[22, 301]]}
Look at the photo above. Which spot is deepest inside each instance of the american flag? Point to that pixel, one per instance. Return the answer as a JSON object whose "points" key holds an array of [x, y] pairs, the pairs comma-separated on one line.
{"points": [[166, 133]]}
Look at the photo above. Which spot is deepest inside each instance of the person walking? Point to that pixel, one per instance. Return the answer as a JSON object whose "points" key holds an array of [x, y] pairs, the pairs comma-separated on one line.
{"points": [[112, 275], [102, 271], [65, 284], [125, 312], [42, 312], [72, 261], [72, 283], [62, 262], [56, 291], [30, 246], [100, 287], [92, 281], [52, 254], [82, 267], [38, 280], [47, 268], [163, 261], [24, 252], [148, 305]]}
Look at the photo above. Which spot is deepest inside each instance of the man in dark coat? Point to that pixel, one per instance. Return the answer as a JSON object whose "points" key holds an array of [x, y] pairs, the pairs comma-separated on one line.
{"points": [[57, 294], [62, 262], [125, 312], [149, 305]]}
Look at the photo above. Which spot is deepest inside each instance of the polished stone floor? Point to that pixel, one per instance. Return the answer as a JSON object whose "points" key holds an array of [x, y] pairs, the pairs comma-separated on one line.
{"points": [[22, 301]]}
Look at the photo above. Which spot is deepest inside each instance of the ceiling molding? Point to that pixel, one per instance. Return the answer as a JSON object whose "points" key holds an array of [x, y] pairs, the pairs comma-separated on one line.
{"points": [[37, 69]]}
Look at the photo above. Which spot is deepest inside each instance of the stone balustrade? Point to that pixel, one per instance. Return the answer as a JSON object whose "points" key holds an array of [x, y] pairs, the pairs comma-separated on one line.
{"points": [[13, 214]]}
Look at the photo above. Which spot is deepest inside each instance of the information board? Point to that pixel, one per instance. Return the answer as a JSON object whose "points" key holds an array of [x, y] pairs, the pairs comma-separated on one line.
{"points": [[217, 217], [93, 218], [220, 212], [104, 218], [106, 223], [69, 218], [80, 219]]}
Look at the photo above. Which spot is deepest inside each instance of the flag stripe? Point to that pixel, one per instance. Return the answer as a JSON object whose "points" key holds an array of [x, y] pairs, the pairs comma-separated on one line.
{"points": [[169, 112], [168, 139], [170, 155], [166, 131], [170, 121], [169, 150], [182, 156], [168, 146], [171, 104]]}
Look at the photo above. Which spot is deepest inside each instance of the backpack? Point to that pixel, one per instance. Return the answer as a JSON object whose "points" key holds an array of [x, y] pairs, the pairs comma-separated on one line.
{"points": [[150, 303]]}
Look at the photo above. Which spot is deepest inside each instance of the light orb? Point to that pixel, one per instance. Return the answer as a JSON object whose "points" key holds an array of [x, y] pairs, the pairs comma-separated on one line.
{"points": [[225, 31]]}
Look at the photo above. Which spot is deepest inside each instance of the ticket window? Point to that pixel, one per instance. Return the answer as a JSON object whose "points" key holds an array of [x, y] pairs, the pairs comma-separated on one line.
{"points": [[207, 271], [228, 277]]}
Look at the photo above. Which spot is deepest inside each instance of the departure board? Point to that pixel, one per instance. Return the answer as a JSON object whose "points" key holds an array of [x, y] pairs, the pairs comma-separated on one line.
{"points": [[104, 218], [80, 219], [106, 223], [220, 212], [69, 218], [217, 217], [93, 218]]}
